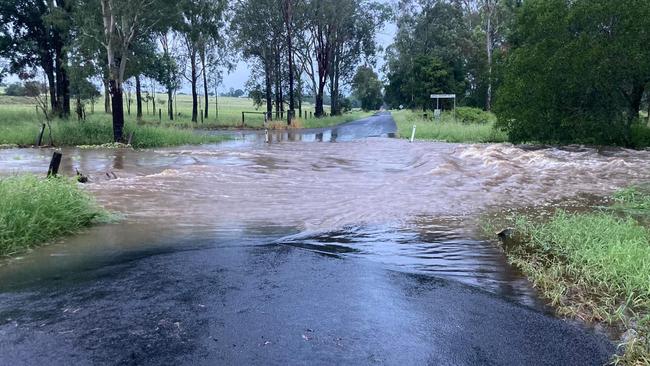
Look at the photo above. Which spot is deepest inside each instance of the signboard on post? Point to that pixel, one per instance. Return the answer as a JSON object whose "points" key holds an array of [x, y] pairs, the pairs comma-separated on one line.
{"points": [[437, 97]]}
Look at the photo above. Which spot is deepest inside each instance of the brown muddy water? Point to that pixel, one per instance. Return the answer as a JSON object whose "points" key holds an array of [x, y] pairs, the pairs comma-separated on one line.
{"points": [[411, 207]]}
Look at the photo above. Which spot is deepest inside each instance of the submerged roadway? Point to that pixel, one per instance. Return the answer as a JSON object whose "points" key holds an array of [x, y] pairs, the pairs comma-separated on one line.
{"points": [[251, 299]]}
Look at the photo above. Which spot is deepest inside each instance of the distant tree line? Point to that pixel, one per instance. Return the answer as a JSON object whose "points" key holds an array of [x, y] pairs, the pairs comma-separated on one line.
{"points": [[305, 47], [554, 71], [297, 48], [448, 47]]}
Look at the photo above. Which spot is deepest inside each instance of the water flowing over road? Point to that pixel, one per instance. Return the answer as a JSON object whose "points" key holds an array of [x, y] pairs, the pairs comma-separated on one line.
{"points": [[323, 246]]}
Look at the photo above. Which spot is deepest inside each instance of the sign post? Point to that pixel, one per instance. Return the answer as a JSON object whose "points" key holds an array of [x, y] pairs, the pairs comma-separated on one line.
{"points": [[437, 97]]}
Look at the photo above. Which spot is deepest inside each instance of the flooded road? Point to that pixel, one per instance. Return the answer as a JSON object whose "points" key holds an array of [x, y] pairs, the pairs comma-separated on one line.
{"points": [[327, 246]]}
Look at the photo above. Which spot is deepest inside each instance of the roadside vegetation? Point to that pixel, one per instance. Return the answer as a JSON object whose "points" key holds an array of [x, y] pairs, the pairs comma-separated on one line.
{"points": [[592, 266], [97, 130], [36, 210], [20, 124], [470, 125]]}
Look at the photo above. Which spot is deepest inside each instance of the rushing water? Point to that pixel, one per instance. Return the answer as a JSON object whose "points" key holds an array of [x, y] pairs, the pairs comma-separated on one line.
{"points": [[412, 207]]}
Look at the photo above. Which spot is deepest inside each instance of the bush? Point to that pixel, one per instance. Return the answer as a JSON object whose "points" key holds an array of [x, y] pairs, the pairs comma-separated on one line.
{"points": [[15, 90], [640, 135], [474, 115]]}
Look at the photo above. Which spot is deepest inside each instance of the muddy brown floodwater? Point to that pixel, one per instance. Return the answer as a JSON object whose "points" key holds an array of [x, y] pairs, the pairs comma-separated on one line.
{"points": [[412, 207], [339, 246]]}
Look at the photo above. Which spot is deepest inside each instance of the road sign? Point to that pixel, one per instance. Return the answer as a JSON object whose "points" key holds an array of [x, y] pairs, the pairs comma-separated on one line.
{"points": [[437, 97]]}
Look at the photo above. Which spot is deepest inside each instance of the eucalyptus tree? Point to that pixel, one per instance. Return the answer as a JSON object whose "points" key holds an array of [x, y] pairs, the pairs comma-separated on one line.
{"points": [[428, 54], [117, 25], [202, 22], [342, 32], [167, 69], [34, 34], [258, 26]]}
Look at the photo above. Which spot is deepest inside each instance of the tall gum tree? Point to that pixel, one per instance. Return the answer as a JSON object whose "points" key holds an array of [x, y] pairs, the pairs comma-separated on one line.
{"points": [[121, 22]]}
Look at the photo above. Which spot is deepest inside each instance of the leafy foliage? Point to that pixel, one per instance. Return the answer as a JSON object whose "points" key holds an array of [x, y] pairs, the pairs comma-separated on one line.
{"points": [[577, 71], [367, 88]]}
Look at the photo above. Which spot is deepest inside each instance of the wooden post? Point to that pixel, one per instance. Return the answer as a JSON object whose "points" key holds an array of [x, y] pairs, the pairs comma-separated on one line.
{"points": [[130, 138], [242, 118], [310, 114], [54, 164], [201, 116], [159, 115]]}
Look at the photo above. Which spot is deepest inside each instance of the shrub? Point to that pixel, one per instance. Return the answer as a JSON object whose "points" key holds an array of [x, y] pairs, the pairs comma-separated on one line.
{"points": [[474, 115]]}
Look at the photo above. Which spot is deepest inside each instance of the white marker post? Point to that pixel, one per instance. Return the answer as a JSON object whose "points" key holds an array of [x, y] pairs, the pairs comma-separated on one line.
{"points": [[266, 135], [413, 134]]}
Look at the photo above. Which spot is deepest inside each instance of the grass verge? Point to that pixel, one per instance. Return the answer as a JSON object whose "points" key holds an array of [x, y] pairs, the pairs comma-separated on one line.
{"points": [[98, 132], [593, 266], [447, 129], [35, 210]]}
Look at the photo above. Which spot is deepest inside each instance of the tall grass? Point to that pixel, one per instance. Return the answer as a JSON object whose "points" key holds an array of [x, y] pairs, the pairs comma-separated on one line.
{"points": [[36, 210], [98, 131], [20, 124], [447, 129], [22, 109], [593, 266]]}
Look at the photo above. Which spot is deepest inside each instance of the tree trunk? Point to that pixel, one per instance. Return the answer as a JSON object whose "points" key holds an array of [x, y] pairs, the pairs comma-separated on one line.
{"points": [[170, 104], [319, 100], [216, 99], [278, 84], [66, 92], [138, 98], [268, 92], [635, 98], [107, 97], [58, 65], [193, 80], [118, 110], [288, 19], [205, 86], [488, 41], [79, 109], [52, 87]]}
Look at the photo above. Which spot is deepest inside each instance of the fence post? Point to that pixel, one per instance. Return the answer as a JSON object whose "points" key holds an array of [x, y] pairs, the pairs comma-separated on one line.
{"points": [[54, 164], [243, 122], [201, 115], [159, 115]]}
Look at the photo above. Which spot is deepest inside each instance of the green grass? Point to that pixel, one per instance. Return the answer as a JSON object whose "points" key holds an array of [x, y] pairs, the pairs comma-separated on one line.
{"points": [[97, 130], [20, 123], [447, 129], [593, 266], [37, 210]]}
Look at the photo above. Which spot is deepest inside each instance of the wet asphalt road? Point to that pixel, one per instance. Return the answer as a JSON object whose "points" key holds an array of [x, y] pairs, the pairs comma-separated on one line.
{"points": [[251, 300]]}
